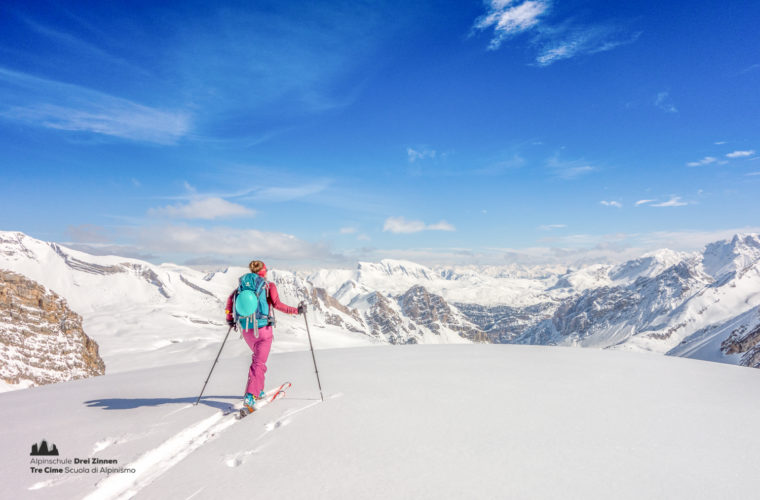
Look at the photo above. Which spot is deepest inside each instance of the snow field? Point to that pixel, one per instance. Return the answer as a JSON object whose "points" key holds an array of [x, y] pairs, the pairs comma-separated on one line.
{"points": [[472, 421]]}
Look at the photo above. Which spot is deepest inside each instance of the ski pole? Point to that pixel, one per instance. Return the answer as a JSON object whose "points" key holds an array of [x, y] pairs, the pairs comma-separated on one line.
{"points": [[212, 367], [312, 355]]}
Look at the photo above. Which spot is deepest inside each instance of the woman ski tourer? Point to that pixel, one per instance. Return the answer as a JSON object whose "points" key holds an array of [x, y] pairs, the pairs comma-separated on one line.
{"points": [[250, 306]]}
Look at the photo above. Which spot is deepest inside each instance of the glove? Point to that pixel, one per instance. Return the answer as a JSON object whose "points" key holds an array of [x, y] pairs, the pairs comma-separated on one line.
{"points": [[302, 308], [232, 324]]}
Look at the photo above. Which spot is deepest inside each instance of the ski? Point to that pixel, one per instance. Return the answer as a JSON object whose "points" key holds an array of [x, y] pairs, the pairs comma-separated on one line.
{"points": [[270, 397]]}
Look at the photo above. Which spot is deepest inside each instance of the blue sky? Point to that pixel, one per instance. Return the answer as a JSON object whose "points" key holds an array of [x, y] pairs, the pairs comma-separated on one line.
{"points": [[311, 133]]}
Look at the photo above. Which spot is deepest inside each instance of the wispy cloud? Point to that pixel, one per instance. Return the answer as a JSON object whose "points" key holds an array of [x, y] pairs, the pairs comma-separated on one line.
{"points": [[554, 41], [663, 101], [568, 170], [674, 201], [749, 68], [582, 249], [202, 208], [615, 204], [230, 242], [549, 227], [348, 230], [88, 233], [741, 154], [500, 166], [644, 202], [508, 19], [291, 193], [704, 161], [257, 193], [419, 154], [559, 44], [294, 58], [63, 106], [400, 225], [80, 47]]}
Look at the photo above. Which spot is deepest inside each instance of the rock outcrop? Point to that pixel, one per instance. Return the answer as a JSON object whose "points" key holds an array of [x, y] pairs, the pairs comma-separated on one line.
{"points": [[745, 340], [42, 340]]}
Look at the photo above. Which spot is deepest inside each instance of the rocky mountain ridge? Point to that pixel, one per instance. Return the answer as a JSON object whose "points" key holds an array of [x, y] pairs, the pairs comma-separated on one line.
{"points": [[42, 340]]}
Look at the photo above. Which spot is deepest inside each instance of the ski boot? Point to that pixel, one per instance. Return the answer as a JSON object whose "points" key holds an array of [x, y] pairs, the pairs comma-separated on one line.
{"points": [[249, 402]]}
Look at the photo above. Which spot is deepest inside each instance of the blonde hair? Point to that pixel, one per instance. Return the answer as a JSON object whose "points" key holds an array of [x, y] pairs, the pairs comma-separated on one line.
{"points": [[255, 266]]}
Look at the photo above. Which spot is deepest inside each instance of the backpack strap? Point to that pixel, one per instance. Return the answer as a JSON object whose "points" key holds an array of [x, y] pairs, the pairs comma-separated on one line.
{"points": [[234, 310], [270, 315]]}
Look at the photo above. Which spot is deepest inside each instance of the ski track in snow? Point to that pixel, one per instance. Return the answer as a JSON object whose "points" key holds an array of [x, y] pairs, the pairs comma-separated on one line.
{"points": [[108, 442], [49, 483], [154, 463], [157, 461], [195, 494], [239, 458]]}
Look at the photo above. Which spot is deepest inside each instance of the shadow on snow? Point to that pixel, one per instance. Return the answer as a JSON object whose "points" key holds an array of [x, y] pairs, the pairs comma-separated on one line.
{"points": [[131, 404]]}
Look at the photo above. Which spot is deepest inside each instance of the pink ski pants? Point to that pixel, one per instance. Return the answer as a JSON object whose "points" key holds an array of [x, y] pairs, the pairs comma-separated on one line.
{"points": [[260, 347]]}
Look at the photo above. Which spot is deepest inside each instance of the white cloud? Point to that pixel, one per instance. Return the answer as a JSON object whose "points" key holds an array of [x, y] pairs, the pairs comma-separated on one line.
{"points": [[573, 172], [555, 42], [704, 161], [63, 106], [419, 154], [202, 208], [749, 68], [549, 227], [399, 225], [230, 242], [582, 249], [644, 202], [568, 169], [508, 19], [665, 103], [741, 154], [674, 201], [88, 233], [348, 230], [291, 192], [441, 226], [615, 204], [564, 43], [719, 143]]}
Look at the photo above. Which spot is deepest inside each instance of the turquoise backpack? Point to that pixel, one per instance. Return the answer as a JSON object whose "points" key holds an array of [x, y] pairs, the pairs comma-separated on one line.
{"points": [[251, 306]]}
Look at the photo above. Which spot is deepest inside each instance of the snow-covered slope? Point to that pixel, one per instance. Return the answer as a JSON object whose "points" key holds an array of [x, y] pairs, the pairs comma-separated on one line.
{"points": [[520, 422], [736, 340]]}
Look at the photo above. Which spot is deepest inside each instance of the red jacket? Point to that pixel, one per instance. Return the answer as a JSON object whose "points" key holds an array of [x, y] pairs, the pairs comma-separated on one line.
{"points": [[273, 298]]}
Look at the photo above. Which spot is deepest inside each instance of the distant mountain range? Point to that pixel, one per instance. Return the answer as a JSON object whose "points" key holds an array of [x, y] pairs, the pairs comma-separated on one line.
{"points": [[704, 305]]}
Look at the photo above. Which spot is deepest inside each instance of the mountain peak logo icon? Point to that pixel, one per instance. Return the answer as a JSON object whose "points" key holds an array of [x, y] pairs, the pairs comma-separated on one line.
{"points": [[43, 450]]}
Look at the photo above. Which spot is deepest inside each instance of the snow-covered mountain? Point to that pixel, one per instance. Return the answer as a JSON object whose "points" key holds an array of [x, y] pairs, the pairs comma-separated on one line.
{"points": [[648, 306], [145, 315]]}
